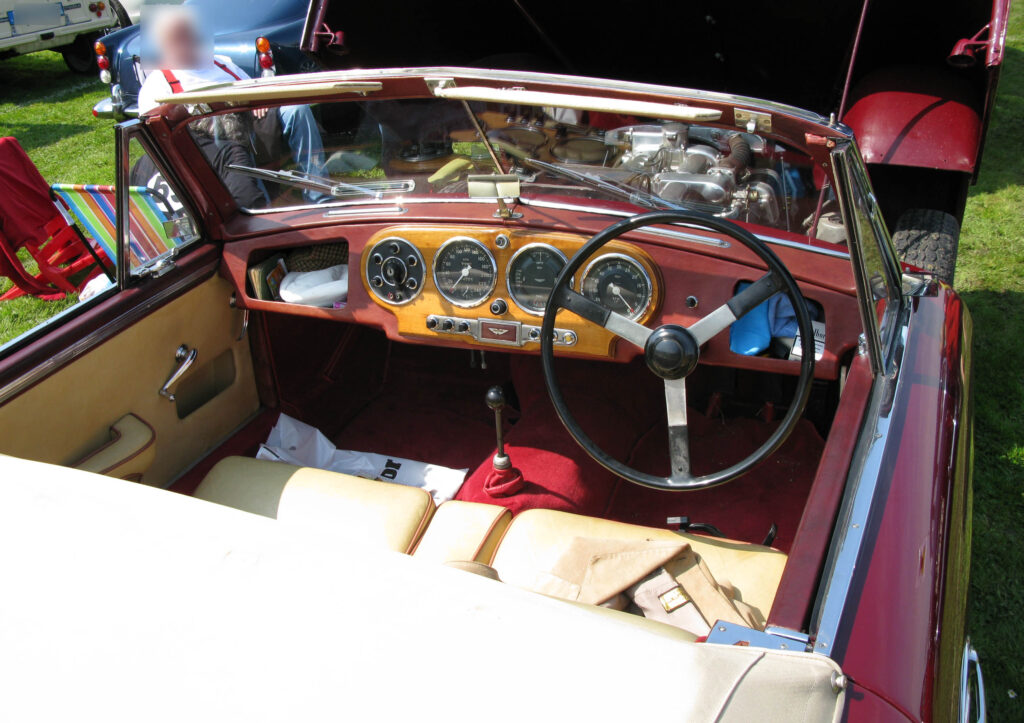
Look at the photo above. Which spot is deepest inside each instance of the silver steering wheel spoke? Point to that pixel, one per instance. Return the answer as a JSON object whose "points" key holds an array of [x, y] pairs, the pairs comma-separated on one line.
{"points": [[617, 324], [724, 316], [678, 429]]}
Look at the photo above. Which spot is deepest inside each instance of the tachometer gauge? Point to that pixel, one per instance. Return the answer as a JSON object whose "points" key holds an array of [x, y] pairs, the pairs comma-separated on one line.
{"points": [[464, 271], [531, 276], [618, 283]]}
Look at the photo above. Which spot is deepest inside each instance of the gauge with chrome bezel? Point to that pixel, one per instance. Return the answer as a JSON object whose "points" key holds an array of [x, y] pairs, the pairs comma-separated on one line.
{"points": [[531, 275], [394, 270], [619, 283], [464, 271]]}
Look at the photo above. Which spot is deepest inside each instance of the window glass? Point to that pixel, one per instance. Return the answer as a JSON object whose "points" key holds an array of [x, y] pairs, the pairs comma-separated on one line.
{"points": [[158, 222], [422, 149], [881, 273], [63, 253]]}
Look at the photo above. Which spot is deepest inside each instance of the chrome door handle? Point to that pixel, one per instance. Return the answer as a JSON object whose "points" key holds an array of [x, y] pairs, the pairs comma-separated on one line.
{"points": [[186, 357]]}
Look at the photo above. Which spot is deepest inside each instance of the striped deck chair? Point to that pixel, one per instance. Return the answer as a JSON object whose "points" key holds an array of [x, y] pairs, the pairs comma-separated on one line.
{"points": [[94, 208], [31, 222]]}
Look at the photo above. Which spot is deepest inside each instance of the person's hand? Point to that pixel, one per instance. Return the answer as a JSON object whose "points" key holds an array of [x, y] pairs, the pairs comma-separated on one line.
{"points": [[260, 113]]}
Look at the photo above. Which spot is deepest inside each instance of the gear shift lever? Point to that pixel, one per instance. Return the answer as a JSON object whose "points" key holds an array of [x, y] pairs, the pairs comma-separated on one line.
{"points": [[496, 401]]}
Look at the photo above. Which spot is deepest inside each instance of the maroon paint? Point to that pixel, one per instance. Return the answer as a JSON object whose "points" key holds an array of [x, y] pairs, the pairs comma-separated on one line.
{"points": [[799, 583], [863, 705], [892, 642], [918, 117]]}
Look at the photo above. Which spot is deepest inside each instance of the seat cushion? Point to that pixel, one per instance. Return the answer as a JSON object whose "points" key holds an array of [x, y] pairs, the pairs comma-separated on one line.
{"points": [[380, 514], [537, 538], [463, 531]]}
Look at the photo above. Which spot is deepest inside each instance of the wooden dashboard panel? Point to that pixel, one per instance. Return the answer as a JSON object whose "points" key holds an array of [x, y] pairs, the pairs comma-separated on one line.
{"points": [[411, 317], [688, 281]]}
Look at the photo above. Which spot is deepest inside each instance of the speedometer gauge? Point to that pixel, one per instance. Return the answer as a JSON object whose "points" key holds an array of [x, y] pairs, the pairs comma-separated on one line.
{"points": [[618, 283], [531, 276], [464, 271]]}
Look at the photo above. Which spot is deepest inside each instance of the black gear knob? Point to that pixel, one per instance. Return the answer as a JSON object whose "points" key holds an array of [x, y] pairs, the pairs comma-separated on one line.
{"points": [[495, 398]]}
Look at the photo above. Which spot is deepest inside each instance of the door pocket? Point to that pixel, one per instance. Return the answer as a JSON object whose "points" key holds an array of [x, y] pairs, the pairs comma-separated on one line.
{"points": [[204, 383]]}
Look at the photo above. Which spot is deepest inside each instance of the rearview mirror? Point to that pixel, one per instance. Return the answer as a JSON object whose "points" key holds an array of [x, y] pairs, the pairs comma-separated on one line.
{"points": [[493, 186]]}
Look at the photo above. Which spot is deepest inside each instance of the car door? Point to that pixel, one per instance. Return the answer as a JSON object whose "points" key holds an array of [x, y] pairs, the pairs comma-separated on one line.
{"points": [[141, 380]]}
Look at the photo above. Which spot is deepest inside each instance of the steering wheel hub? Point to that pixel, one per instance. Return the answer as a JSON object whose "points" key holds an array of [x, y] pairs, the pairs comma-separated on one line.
{"points": [[671, 352]]}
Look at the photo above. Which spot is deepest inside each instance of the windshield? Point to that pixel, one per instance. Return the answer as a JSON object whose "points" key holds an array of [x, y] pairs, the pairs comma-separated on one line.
{"points": [[421, 149]]}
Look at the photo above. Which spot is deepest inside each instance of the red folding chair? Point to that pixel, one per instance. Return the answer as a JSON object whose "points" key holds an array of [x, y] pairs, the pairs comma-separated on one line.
{"points": [[30, 220]]}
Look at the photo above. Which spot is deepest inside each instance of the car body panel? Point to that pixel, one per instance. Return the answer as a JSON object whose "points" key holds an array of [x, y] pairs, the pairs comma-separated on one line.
{"points": [[917, 117], [71, 21], [918, 537]]}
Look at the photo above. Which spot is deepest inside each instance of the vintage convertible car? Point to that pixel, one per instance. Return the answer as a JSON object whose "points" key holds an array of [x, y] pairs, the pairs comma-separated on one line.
{"points": [[659, 335]]}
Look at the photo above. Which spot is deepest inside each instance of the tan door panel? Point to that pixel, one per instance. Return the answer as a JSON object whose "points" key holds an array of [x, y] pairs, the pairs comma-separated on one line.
{"points": [[68, 415]]}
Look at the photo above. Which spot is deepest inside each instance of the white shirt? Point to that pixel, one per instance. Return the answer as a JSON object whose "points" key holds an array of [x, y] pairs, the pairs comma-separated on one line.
{"points": [[156, 85]]}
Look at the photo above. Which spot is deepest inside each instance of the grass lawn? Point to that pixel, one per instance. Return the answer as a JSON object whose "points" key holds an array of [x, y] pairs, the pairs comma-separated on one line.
{"points": [[990, 277], [47, 108]]}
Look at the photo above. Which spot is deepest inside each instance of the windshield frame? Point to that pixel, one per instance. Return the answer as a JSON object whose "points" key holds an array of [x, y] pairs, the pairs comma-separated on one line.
{"points": [[801, 130]]}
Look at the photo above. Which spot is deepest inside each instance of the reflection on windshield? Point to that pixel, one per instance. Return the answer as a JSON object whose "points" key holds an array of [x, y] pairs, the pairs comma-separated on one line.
{"points": [[374, 150]]}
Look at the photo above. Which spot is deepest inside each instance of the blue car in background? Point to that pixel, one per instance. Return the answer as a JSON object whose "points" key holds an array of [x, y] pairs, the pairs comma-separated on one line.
{"points": [[279, 26]]}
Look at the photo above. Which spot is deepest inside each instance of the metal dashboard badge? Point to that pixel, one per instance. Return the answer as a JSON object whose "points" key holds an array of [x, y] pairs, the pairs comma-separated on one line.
{"points": [[501, 332]]}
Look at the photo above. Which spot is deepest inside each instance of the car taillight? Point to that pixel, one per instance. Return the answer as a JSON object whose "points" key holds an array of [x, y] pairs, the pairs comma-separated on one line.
{"points": [[265, 57], [102, 61], [97, 8]]}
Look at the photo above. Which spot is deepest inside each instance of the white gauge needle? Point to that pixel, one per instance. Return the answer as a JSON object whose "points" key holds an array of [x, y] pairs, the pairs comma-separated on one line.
{"points": [[617, 291], [464, 274]]}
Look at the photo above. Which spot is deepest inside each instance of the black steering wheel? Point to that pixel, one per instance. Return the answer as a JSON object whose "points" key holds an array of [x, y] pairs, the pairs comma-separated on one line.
{"points": [[672, 351]]}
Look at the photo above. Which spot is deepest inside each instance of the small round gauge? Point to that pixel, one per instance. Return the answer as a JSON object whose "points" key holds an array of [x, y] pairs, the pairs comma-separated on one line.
{"points": [[617, 282], [394, 270], [531, 275], [464, 271]]}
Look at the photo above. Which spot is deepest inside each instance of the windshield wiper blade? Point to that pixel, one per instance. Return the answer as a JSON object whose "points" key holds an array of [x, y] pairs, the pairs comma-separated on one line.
{"points": [[632, 195], [338, 189]]}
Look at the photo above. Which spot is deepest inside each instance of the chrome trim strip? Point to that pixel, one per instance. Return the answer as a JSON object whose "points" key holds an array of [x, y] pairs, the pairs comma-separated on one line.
{"points": [[970, 658], [556, 205], [682, 235], [860, 502], [382, 211], [105, 332], [693, 238]]}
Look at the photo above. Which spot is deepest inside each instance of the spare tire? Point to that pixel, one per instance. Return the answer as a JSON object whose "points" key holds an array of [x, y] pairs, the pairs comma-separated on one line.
{"points": [[928, 239]]}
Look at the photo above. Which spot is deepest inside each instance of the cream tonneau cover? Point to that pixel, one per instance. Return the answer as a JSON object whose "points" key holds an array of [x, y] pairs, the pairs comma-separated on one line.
{"points": [[123, 603]]}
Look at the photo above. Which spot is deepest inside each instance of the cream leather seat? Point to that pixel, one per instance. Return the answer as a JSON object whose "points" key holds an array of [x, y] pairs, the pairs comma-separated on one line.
{"points": [[463, 532], [379, 514], [537, 538]]}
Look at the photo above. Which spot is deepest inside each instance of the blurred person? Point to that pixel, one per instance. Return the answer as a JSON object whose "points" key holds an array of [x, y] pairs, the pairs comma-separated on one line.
{"points": [[184, 60]]}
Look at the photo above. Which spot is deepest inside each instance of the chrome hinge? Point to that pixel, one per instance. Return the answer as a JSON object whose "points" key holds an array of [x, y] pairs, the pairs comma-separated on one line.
{"points": [[862, 344], [157, 268], [725, 633]]}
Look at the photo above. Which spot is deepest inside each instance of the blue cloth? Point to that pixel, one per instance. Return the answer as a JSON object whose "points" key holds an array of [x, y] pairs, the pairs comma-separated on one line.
{"points": [[751, 334], [771, 319]]}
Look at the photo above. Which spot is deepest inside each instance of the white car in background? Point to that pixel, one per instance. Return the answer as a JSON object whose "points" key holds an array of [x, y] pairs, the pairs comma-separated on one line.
{"points": [[69, 28]]}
